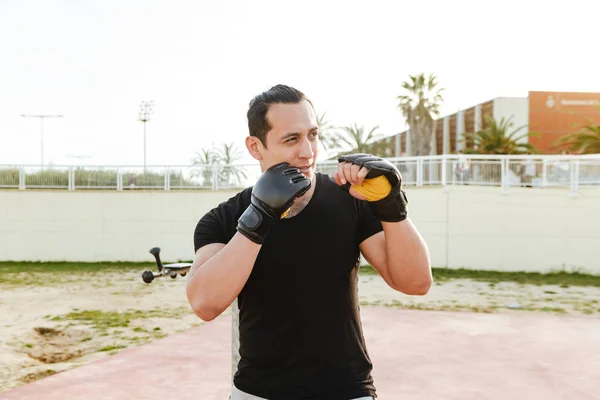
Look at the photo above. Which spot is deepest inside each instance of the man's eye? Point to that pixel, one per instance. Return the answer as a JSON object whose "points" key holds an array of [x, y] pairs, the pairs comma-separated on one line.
{"points": [[290, 140]]}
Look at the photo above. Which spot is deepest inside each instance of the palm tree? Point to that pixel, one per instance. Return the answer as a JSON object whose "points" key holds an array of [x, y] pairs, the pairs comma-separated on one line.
{"points": [[228, 153], [205, 159], [327, 134], [355, 139], [498, 137], [586, 141], [230, 174], [420, 106]]}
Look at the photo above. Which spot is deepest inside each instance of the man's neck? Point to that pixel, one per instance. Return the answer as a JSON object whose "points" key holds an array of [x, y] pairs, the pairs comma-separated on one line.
{"points": [[301, 202]]}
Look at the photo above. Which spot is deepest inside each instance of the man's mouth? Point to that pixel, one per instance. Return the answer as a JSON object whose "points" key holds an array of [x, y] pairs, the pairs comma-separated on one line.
{"points": [[305, 169]]}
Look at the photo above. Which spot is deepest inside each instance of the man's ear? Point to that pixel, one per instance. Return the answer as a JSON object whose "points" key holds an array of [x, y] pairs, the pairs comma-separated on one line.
{"points": [[255, 147]]}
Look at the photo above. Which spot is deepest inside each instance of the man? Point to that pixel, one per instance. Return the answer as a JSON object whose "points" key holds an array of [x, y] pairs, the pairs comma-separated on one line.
{"points": [[289, 250]]}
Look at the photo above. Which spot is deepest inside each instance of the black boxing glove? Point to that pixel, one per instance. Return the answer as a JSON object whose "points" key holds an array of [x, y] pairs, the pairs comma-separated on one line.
{"points": [[272, 196], [382, 187]]}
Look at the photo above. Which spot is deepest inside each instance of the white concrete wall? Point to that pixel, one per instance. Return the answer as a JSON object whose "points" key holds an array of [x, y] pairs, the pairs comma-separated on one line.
{"points": [[516, 108], [471, 227], [100, 226]]}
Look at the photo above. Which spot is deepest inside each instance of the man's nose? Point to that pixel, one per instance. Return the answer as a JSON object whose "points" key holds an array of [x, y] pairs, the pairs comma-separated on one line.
{"points": [[306, 150]]}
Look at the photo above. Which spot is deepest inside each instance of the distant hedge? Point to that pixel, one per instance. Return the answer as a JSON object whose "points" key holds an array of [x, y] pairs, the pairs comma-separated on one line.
{"points": [[88, 178]]}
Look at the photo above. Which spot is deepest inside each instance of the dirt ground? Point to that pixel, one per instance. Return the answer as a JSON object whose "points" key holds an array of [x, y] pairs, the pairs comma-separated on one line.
{"points": [[51, 323]]}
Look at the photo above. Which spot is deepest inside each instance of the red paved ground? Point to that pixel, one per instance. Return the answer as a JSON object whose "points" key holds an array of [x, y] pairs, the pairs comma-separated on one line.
{"points": [[418, 355]]}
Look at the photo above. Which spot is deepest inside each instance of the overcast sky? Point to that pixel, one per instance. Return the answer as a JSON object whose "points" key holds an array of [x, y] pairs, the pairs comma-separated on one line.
{"points": [[202, 61]]}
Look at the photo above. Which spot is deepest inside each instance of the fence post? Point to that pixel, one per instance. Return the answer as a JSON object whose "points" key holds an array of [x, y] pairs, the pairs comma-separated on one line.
{"points": [[71, 178], [119, 179], [22, 178], [504, 175], [544, 172], [167, 179], [444, 170], [574, 167], [420, 172], [214, 177]]}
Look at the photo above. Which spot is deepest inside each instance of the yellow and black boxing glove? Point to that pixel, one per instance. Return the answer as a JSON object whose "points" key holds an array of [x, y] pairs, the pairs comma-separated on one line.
{"points": [[382, 187]]}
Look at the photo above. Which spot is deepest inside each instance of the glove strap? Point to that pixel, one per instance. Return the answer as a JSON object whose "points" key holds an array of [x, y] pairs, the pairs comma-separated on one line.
{"points": [[255, 224], [392, 208]]}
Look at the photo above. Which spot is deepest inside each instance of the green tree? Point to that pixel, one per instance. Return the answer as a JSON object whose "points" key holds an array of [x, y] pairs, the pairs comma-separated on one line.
{"points": [[326, 132], [586, 141], [357, 139], [203, 161], [229, 174], [498, 137], [205, 157], [223, 159], [420, 105]]}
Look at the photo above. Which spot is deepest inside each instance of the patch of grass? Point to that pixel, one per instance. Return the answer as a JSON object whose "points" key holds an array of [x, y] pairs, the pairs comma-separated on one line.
{"points": [[112, 347], [409, 306], [98, 319], [561, 278], [57, 273], [37, 375], [553, 309], [367, 270], [113, 319], [129, 338], [10, 267]]}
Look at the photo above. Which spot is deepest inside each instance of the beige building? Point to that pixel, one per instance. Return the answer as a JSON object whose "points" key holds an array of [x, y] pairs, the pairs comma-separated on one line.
{"points": [[551, 114]]}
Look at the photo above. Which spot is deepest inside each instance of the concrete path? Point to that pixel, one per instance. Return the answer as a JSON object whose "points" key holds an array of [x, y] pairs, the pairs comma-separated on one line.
{"points": [[418, 355]]}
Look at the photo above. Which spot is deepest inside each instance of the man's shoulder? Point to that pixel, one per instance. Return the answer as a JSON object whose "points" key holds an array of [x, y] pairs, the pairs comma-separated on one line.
{"points": [[325, 180], [241, 196], [329, 188], [237, 201]]}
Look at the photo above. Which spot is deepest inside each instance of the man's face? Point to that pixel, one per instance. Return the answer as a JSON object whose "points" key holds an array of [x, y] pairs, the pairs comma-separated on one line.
{"points": [[294, 137]]}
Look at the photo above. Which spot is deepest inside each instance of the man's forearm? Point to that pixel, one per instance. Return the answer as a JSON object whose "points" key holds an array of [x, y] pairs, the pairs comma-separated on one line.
{"points": [[214, 284], [408, 259]]}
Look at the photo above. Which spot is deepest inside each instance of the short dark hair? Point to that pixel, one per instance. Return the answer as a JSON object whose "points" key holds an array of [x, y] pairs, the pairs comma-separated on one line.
{"points": [[258, 125]]}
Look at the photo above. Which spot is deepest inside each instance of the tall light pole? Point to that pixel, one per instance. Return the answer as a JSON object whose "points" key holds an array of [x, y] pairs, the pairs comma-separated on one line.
{"points": [[41, 117], [146, 109]]}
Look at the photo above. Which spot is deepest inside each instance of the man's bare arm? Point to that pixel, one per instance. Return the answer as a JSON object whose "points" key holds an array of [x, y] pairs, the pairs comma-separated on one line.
{"points": [[218, 274], [401, 257]]}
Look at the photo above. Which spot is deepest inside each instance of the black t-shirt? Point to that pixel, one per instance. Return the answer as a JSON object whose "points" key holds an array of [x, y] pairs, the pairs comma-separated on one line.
{"points": [[300, 330]]}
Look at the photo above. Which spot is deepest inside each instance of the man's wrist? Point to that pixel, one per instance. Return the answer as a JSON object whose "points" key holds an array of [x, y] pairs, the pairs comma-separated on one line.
{"points": [[392, 208], [255, 224]]}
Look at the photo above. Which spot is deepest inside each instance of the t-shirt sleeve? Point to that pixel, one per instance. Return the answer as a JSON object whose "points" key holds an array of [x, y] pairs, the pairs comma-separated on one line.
{"points": [[219, 224], [209, 230], [368, 224]]}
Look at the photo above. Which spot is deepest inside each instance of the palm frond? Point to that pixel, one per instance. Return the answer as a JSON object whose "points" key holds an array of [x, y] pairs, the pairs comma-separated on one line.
{"points": [[497, 138], [586, 141]]}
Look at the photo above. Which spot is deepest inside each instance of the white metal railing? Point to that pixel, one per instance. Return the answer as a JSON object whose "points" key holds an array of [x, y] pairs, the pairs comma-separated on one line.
{"points": [[537, 171]]}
